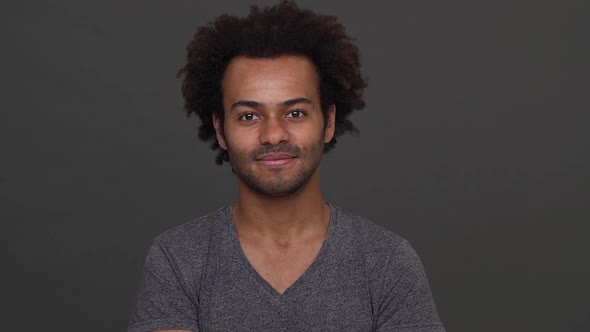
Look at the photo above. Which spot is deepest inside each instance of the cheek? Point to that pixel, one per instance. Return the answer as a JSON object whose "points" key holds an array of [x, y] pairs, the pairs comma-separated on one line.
{"points": [[311, 135], [240, 141]]}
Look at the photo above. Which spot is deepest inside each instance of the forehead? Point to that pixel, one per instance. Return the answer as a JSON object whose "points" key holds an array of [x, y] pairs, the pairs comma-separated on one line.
{"points": [[270, 79]]}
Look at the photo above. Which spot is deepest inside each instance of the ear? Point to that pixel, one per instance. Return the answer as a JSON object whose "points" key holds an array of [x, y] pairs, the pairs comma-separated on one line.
{"points": [[219, 131], [331, 124]]}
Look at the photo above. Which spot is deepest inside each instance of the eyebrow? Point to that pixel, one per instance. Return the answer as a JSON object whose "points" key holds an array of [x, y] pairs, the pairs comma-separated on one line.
{"points": [[255, 104]]}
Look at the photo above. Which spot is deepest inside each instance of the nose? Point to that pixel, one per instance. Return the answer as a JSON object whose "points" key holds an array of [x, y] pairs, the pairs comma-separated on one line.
{"points": [[273, 132]]}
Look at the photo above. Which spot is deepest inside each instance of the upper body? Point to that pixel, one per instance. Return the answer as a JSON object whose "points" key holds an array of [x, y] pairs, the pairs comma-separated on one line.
{"points": [[364, 278], [273, 91]]}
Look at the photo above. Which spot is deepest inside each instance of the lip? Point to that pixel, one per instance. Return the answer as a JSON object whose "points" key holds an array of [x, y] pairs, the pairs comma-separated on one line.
{"points": [[276, 159], [276, 156]]}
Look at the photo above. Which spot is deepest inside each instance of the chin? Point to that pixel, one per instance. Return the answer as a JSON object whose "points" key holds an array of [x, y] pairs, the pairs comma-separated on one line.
{"points": [[274, 190]]}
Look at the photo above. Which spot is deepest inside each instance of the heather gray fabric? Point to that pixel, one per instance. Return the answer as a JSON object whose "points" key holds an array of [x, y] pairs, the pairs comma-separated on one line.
{"points": [[365, 278]]}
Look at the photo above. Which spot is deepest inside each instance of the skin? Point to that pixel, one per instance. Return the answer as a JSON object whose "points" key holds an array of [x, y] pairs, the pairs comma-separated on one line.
{"points": [[273, 105], [274, 133]]}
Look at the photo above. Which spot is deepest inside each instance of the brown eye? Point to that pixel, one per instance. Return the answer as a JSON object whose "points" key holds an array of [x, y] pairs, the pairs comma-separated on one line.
{"points": [[248, 117], [295, 114]]}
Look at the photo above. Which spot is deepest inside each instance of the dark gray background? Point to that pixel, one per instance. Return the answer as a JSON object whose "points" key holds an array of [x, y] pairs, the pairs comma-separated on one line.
{"points": [[474, 146]]}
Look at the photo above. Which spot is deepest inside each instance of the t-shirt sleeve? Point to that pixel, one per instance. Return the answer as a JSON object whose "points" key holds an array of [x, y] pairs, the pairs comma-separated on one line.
{"points": [[405, 303], [163, 301]]}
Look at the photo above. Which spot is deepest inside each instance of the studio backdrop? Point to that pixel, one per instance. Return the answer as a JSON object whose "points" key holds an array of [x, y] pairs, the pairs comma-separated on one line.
{"points": [[474, 146]]}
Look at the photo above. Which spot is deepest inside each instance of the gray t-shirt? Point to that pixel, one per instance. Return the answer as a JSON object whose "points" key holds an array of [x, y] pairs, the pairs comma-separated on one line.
{"points": [[364, 278]]}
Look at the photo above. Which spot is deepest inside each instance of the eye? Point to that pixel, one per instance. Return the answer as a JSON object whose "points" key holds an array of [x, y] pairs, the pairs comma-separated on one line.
{"points": [[249, 117], [296, 114]]}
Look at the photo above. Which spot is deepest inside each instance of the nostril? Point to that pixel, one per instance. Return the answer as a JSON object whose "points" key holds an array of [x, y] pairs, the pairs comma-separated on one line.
{"points": [[273, 133]]}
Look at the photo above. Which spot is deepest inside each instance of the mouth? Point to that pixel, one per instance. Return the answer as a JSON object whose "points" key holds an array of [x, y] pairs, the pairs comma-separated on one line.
{"points": [[276, 159]]}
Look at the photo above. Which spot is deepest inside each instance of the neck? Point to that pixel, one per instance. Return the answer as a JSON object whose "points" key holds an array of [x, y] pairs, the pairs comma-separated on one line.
{"points": [[284, 218]]}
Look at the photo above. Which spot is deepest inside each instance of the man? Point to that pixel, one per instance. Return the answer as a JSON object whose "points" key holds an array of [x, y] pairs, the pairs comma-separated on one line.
{"points": [[273, 90]]}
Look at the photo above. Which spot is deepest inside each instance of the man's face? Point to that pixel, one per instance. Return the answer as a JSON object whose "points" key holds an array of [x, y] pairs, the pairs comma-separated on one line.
{"points": [[273, 122]]}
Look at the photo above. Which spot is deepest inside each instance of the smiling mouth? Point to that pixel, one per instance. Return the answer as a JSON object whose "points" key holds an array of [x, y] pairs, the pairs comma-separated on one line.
{"points": [[276, 159], [275, 156]]}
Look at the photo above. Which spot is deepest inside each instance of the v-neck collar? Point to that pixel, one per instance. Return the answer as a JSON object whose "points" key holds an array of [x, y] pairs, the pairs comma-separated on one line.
{"points": [[255, 275]]}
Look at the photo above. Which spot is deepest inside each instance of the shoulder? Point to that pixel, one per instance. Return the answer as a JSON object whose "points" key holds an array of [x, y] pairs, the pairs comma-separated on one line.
{"points": [[398, 286], [379, 246], [371, 236], [192, 240]]}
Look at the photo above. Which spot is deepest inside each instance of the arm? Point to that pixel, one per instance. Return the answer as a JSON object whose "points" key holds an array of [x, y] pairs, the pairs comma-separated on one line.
{"points": [[163, 302], [405, 302]]}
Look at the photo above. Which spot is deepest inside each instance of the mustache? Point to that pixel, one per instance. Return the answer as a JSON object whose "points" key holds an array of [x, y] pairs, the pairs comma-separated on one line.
{"points": [[290, 149]]}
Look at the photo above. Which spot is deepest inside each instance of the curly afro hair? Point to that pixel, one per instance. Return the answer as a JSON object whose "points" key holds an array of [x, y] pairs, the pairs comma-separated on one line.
{"points": [[283, 29]]}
